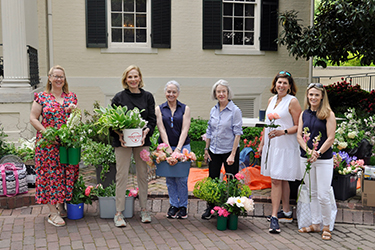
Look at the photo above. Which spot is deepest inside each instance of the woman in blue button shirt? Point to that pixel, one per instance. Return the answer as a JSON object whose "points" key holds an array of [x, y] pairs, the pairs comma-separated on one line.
{"points": [[173, 121], [223, 135]]}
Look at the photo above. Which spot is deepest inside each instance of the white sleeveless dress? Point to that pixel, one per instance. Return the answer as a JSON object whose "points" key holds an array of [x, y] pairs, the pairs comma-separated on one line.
{"points": [[283, 153]]}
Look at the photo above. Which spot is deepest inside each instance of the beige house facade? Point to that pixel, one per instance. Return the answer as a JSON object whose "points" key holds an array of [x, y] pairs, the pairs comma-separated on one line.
{"points": [[195, 42]]}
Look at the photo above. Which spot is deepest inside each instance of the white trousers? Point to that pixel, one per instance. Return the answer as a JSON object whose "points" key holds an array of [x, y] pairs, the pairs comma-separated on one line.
{"points": [[321, 178]]}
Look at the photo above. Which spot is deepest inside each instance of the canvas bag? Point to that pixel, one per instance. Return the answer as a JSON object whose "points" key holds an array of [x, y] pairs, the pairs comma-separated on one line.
{"points": [[304, 212], [13, 179]]}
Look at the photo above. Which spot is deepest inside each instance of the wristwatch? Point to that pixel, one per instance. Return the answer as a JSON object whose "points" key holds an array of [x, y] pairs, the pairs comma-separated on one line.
{"points": [[286, 131], [320, 154]]}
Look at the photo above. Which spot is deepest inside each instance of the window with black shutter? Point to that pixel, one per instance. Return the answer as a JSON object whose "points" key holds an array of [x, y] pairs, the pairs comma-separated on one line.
{"points": [[269, 25], [161, 23], [212, 24], [96, 24]]}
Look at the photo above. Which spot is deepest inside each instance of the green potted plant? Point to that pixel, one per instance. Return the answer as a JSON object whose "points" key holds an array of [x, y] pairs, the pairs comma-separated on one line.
{"points": [[81, 195], [102, 156], [107, 201], [129, 122]]}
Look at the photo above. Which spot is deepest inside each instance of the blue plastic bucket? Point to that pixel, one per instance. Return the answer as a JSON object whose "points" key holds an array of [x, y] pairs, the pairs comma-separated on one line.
{"points": [[75, 211]]}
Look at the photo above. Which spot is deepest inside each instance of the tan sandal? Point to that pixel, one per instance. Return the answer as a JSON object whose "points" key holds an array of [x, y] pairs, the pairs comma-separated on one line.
{"points": [[56, 220], [61, 210], [326, 235], [309, 229]]}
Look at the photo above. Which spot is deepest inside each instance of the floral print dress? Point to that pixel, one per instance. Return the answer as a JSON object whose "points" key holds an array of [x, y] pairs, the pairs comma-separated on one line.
{"points": [[54, 181]]}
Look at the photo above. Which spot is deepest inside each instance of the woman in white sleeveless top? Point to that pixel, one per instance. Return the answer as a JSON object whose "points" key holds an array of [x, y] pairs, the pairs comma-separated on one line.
{"points": [[279, 147]]}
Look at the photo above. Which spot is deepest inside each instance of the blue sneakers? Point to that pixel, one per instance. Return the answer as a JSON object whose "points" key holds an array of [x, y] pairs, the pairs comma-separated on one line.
{"points": [[274, 226]]}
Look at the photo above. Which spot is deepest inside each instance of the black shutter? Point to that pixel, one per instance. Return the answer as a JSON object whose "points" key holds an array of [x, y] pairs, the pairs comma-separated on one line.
{"points": [[96, 24], [269, 25], [161, 23], [212, 24]]}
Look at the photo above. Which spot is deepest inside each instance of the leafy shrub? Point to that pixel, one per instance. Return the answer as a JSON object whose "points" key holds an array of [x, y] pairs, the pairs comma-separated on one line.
{"points": [[343, 95], [4, 149], [198, 127], [198, 148]]}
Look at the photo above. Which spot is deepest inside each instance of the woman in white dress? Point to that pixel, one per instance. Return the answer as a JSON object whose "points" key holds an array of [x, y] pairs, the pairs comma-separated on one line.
{"points": [[279, 147]]}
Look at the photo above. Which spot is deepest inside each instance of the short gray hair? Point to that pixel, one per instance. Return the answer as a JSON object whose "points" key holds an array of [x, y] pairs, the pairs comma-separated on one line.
{"points": [[223, 83], [174, 83]]}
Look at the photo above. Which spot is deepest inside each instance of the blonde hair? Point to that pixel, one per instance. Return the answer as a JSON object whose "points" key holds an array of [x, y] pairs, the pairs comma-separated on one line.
{"points": [[324, 109], [125, 75], [65, 88]]}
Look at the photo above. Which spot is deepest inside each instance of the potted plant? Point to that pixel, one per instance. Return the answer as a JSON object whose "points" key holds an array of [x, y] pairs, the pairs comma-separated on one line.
{"points": [[345, 176], [222, 217], [200, 159], [169, 165], [102, 156], [120, 118], [81, 195], [107, 201]]}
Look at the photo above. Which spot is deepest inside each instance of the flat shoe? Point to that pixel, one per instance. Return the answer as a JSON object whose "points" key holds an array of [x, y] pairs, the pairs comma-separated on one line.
{"points": [[326, 235], [309, 229], [62, 212], [56, 220]]}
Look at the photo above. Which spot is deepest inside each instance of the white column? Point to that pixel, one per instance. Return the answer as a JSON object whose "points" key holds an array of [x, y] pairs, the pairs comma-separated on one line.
{"points": [[16, 74]]}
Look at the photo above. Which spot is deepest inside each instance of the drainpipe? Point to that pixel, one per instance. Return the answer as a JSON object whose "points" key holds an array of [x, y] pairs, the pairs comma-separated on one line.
{"points": [[49, 34], [311, 24]]}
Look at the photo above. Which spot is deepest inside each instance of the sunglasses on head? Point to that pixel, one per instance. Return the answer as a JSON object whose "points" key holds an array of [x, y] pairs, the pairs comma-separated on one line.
{"points": [[317, 85], [284, 72]]}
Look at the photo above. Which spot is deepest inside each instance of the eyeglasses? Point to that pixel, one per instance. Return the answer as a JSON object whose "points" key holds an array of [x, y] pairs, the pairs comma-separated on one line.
{"points": [[317, 85], [58, 77], [171, 121], [285, 72]]}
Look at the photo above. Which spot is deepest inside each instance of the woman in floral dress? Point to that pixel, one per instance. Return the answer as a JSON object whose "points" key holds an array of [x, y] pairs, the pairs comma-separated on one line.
{"points": [[54, 181]]}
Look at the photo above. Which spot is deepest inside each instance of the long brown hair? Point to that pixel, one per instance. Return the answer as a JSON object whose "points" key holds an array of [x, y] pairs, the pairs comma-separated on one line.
{"points": [[287, 75], [65, 88]]}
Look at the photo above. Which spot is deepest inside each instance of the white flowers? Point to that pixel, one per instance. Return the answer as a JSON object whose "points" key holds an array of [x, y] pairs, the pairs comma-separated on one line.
{"points": [[241, 202], [352, 134], [342, 145]]}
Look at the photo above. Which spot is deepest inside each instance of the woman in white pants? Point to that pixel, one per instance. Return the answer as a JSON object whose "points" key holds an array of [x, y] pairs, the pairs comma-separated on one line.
{"points": [[319, 118]]}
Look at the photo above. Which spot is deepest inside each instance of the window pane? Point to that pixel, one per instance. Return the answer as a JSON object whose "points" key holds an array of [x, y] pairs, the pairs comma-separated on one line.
{"points": [[227, 23], [249, 38], [117, 35], [141, 20], [228, 9], [128, 20], [250, 1], [116, 20], [249, 10], [141, 36], [238, 9], [129, 35], [129, 5], [249, 24], [227, 38], [141, 5], [238, 23], [238, 38], [116, 5]]}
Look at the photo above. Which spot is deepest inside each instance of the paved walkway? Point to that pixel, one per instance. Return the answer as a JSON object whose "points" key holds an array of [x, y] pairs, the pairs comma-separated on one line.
{"points": [[27, 228]]}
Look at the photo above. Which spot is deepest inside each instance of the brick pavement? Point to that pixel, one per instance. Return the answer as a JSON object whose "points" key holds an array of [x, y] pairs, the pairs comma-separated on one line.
{"points": [[27, 228]]}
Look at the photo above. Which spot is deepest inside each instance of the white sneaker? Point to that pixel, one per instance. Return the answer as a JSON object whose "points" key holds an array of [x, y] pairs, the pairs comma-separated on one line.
{"points": [[119, 220], [145, 217]]}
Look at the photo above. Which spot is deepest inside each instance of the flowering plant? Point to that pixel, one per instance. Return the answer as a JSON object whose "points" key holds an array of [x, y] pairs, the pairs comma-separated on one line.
{"points": [[110, 191], [81, 193], [254, 144], [272, 117], [239, 205], [220, 211], [348, 133], [344, 164], [161, 154], [306, 138]]}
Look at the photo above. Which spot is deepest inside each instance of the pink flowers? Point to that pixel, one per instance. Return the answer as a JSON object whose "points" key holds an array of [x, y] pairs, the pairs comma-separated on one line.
{"points": [[133, 192], [239, 176], [273, 116], [220, 211], [88, 190], [161, 154]]}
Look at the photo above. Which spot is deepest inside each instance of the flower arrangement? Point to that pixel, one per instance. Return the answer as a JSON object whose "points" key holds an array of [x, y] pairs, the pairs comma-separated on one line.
{"points": [[110, 191], [306, 138], [239, 205], [217, 192], [254, 144], [119, 118], [161, 154], [272, 117], [81, 193], [220, 211], [344, 164]]}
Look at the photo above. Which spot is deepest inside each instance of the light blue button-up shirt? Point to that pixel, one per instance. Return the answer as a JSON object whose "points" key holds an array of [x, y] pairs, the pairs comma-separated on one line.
{"points": [[223, 127]]}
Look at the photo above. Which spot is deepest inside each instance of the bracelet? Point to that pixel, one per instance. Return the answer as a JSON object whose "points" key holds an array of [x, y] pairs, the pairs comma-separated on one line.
{"points": [[178, 148], [205, 148]]}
